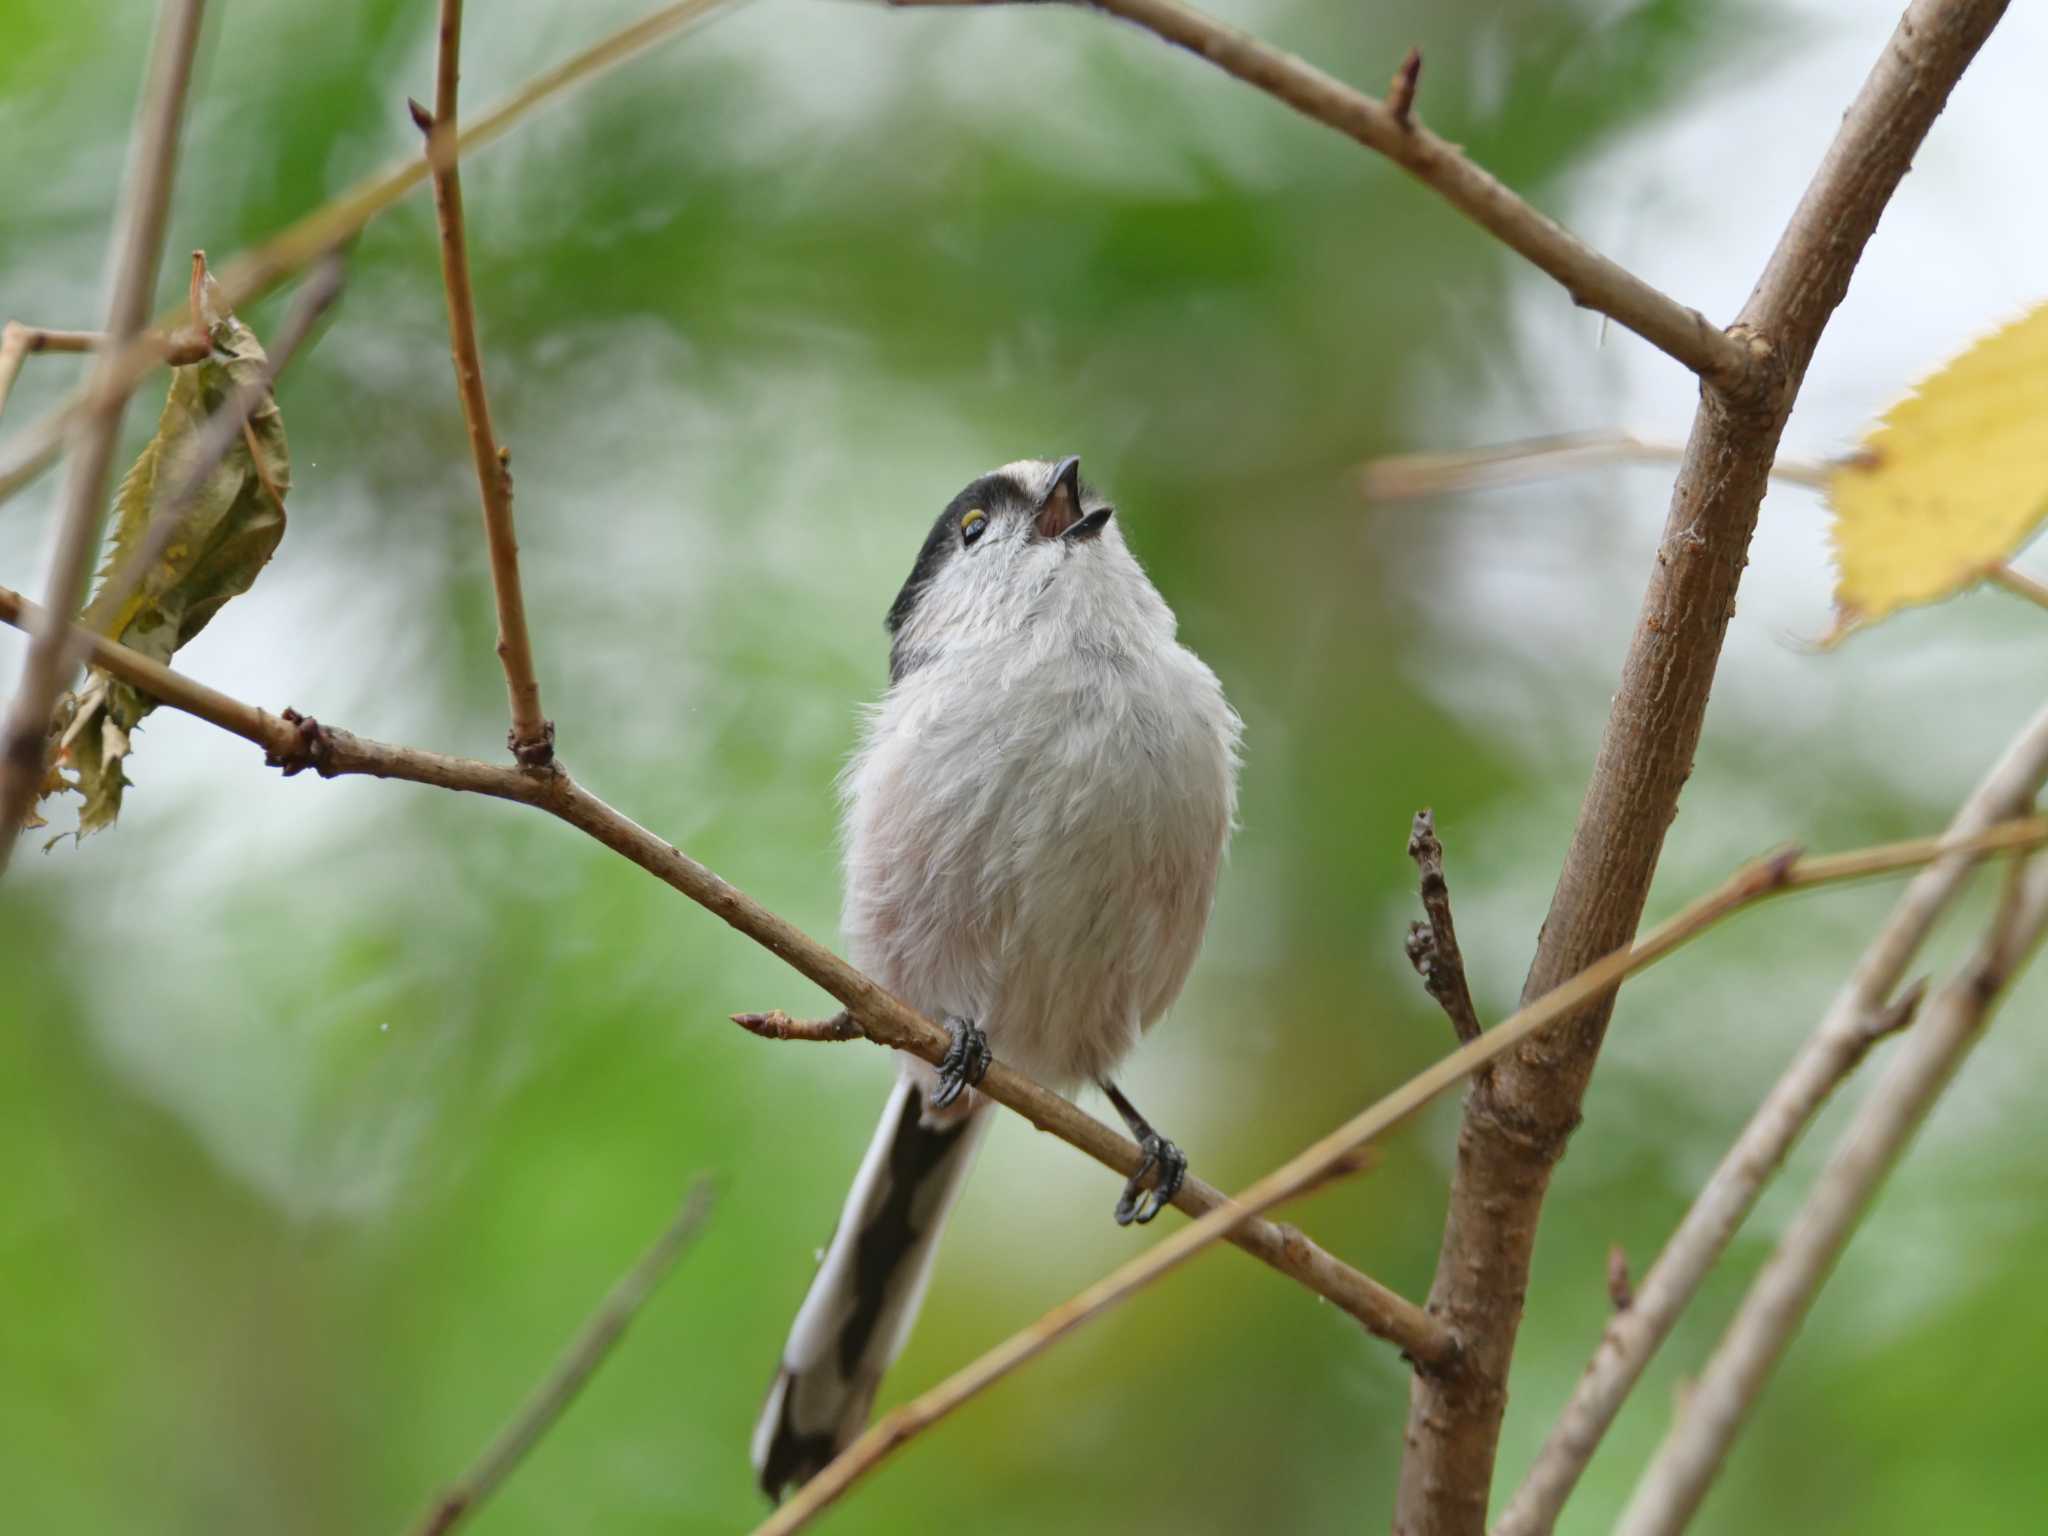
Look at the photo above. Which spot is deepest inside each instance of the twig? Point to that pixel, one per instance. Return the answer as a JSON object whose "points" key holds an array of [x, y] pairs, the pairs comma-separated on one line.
{"points": [[136, 248], [1401, 92], [2018, 583], [1621, 1291], [577, 1364], [1433, 946], [20, 342], [1720, 1402], [1592, 280], [1859, 1015], [777, 1025], [1412, 476], [295, 743], [532, 737], [330, 226], [211, 444], [1512, 1136], [1754, 882]]}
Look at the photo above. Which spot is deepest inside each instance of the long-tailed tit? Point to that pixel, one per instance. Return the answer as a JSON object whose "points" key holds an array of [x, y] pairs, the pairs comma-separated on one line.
{"points": [[1033, 825]]}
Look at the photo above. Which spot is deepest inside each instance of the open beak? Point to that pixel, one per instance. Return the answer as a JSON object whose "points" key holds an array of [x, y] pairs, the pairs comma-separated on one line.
{"points": [[1059, 510]]}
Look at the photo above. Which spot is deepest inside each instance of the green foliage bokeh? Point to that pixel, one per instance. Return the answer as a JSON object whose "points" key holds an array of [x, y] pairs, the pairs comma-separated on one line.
{"points": [[331, 1109]]}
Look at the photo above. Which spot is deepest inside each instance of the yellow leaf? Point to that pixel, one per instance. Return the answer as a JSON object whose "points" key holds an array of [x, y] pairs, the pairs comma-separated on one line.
{"points": [[1953, 481]]}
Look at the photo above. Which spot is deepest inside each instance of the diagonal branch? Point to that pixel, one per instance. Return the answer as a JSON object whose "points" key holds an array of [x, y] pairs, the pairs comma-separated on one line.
{"points": [[137, 249], [1514, 1131], [578, 1363], [1726, 361], [1714, 1412], [1857, 1017], [532, 737], [1752, 883], [295, 743]]}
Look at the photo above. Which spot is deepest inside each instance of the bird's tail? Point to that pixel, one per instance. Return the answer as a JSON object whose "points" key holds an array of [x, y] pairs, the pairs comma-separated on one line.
{"points": [[860, 1307]]}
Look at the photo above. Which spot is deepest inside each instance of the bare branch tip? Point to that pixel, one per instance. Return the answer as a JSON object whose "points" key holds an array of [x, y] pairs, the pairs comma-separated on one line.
{"points": [[1401, 93], [777, 1025], [1620, 1289]]}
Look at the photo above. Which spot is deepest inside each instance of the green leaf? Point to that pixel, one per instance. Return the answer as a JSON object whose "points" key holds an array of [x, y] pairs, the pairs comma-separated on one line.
{"points": [[226, 533]]}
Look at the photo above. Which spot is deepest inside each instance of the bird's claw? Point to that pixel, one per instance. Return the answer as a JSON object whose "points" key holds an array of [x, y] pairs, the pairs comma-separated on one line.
{"points": [[1167, 1167], [965, 1063]]}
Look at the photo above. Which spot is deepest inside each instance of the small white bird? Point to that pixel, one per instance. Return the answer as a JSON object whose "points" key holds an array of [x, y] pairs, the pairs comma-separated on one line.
{"points": [[1033, 825]]}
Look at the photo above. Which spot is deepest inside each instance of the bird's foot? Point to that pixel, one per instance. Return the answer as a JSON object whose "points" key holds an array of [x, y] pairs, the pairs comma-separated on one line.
{"points": [[1167, 1167], [965, 1063]]}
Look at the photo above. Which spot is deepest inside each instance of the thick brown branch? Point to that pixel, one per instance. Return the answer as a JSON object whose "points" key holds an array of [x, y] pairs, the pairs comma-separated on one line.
{"points": [[1592, 281], [1433, 946], [532, 737], [1514, 1133], [137, 248], [1864, 1011], [578, 1363], [295, 743]]}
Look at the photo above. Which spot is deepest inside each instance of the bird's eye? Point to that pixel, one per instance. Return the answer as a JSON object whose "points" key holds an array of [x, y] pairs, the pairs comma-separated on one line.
{"points": [[973, 524]]}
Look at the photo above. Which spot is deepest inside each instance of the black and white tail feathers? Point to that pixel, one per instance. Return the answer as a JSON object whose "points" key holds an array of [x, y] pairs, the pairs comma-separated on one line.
{"points": [[859, 1309]]}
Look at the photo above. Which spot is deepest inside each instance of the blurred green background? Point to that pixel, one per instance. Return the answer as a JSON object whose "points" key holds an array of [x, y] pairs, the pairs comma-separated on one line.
{"points": [[330, 1109]]}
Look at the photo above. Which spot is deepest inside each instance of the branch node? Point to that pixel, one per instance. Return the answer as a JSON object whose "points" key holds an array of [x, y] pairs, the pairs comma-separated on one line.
{"points": [[309, 751], [539, 752], [422, 119], [1620, 1289], [1401, 93]]}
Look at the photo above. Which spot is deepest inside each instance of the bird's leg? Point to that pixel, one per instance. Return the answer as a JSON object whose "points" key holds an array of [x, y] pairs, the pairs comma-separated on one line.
{"points": [[1164, 1163], [965, 1063]]}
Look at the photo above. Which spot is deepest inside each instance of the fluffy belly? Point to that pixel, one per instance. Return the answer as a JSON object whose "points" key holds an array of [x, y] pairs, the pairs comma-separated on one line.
{"points": [[1056, 893]]}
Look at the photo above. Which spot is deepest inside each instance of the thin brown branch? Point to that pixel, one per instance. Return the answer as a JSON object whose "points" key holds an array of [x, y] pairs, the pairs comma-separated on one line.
{"points": [[330, 226], [1514, 1133], [1593, 281], [532, 737], [1433, 946], [777, 1025], [1720, 1402], [2019, 584], [1864, 1011], [1754, 882], [135, 250], [295, 743], [20, 342], [577, 1364]]}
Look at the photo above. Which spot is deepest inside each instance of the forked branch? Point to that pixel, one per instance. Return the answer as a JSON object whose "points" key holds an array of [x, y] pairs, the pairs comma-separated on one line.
{"points": [[1754, 882], [1864, 1010]]}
